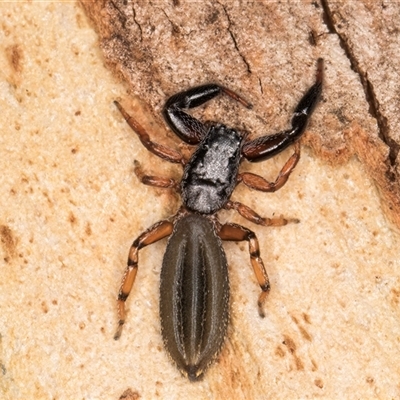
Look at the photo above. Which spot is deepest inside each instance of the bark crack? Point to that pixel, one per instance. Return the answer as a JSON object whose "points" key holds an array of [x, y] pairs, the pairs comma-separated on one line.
{"points": [[369, 92], [235, 44], [261, 86], [136, 22], [122, 16], [175, 28]]}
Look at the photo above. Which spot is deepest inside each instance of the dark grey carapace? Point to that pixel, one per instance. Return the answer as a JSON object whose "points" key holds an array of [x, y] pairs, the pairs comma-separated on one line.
{"points": [[194, 285]]}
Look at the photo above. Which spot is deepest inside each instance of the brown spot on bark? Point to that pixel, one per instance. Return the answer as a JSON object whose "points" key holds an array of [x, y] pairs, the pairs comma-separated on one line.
{"points": [[291, 345], [318, 382], [15, 57], [8, 242]]}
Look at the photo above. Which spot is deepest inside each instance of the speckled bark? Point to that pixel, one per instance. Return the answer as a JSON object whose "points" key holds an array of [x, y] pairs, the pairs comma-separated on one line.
{"points": [[71, 204]]}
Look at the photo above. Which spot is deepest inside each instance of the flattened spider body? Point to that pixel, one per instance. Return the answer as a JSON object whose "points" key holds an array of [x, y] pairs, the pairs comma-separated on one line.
{"points": [[194, 287]]}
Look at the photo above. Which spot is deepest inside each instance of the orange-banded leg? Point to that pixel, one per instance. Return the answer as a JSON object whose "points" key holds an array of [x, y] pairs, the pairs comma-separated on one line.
{"points": [[239, 233], [153, 180], [157, 232], [166, 153], [251, 215], [257, 182]]}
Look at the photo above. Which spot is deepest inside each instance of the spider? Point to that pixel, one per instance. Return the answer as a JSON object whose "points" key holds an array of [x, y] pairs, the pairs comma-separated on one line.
{"points": [[194, 284]]}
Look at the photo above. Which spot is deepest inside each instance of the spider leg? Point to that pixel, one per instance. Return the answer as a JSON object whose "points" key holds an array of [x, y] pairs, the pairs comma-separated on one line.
{"points": [[257, 182], [156, 181], [252, 216], [159, 150], [265, 147], [157, 232], [239, 233]]}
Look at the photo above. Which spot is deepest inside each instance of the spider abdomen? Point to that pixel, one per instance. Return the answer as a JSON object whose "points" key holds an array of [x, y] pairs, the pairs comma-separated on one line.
{"points": [[194, 295]]}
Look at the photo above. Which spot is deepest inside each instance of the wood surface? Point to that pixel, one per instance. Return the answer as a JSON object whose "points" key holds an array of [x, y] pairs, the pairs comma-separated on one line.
{"points": [[71, 205]]}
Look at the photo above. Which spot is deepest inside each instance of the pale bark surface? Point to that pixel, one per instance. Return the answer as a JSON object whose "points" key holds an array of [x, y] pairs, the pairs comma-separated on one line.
{"points": [[71, 205]]}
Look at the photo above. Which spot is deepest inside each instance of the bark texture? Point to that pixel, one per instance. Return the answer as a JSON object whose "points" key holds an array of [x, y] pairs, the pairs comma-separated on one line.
{"points": [[71, 204]]}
